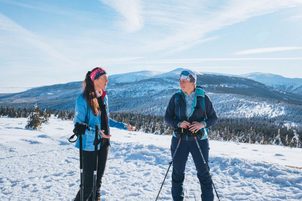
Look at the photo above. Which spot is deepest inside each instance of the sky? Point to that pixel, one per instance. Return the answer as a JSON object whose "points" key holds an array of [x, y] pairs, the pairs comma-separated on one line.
{"points": [[58, 41]]}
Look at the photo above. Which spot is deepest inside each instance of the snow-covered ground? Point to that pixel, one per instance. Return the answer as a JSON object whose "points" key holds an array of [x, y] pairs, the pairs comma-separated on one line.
{"points": [[43, 165]]}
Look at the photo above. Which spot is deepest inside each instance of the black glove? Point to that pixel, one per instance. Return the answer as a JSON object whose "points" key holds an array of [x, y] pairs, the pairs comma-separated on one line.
{"points": [[80, 128]]}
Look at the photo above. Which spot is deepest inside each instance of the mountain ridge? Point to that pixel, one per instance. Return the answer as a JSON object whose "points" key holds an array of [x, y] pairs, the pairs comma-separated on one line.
{"points": [[232, 96]]}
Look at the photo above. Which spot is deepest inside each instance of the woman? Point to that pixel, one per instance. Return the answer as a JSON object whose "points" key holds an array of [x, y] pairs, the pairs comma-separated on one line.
{"points": [[190, 113], [91, 110]]}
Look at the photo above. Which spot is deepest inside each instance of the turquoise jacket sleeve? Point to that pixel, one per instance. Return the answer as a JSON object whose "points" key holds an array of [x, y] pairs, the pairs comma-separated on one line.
{"points": [[116, 124], [80, 110]]}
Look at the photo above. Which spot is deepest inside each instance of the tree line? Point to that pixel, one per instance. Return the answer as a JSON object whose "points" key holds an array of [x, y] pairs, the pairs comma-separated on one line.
{"points": [[35, 116], [247, 130]]}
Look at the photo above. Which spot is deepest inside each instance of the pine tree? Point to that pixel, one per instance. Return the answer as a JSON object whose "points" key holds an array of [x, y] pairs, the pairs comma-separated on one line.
{"points": [[277, 139], [35, 119], [295, 142]]}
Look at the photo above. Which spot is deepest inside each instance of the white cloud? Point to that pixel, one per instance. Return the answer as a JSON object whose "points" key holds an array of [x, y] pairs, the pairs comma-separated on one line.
{"points": [[215, 60], [188, 25], [130, 12], [169, 27], [189, 45], [47, 8], [297, 18], [267, 50], [21, 39], [159, 32]]}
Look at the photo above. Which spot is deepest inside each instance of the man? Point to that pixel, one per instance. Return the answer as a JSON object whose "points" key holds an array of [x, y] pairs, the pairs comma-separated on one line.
{"points": [[190, 113]]}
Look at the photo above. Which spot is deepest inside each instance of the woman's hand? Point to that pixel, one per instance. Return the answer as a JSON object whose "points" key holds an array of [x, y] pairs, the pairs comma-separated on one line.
{"points": [[104, 135], [196, 126], [184, 124], [130, 127]]}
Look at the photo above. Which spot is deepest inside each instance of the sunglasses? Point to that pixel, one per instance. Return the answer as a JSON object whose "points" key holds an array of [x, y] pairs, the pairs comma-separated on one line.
{"points": [[185, 73], [184, 77]]}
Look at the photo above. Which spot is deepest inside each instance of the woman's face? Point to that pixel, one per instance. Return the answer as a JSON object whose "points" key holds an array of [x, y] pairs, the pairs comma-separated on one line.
{"points": [[186, 86], [101, 83]]}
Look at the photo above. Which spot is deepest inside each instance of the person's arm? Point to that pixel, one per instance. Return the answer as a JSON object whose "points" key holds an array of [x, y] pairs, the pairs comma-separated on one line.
{"points": [[80, 111], [117, 124], [211, 114], [170, 117], [80, 125]]}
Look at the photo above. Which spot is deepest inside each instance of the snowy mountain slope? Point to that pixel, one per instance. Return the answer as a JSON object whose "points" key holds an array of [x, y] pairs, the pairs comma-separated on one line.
{"points": [[152, 96], [233, 96], [293, 85], [42, 165], [229, 106], [132, 76], [60, 96], [174, 74]]}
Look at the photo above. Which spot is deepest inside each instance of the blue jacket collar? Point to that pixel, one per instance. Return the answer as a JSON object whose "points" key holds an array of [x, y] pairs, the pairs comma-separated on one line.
{"points": [[198, 91]]}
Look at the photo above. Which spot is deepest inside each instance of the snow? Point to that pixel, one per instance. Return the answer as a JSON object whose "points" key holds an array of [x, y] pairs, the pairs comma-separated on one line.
{"points": [[43, 165]]}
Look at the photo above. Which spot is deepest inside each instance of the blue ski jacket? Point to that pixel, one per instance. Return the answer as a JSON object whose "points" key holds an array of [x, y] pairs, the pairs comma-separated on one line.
{"points": [[202, 108], [84, 114]]}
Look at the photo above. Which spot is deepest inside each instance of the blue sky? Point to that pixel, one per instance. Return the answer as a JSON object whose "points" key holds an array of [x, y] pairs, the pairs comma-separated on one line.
{"points": [[57, 41]]}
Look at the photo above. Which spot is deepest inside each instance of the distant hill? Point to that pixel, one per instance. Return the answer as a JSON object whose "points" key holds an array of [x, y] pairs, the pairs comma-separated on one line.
{"points": [[148, 92], [292, 85]]}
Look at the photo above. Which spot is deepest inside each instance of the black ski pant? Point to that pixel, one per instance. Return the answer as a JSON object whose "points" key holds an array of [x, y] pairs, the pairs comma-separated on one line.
{"points": [[188, 145], [88, 167]]}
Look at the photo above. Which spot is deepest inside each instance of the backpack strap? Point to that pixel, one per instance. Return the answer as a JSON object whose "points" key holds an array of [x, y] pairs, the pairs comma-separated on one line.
{"points": [[203, 106], [201, 93]]}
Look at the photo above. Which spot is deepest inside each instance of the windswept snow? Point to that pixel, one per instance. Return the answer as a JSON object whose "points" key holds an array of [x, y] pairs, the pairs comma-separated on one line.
{"points": [[43, 165]]}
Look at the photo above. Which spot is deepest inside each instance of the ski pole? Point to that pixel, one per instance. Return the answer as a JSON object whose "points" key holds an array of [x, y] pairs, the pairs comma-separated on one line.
{"points": [[81, 169], [206, 164], [96, 142], [79, 131], [170, 163]]}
